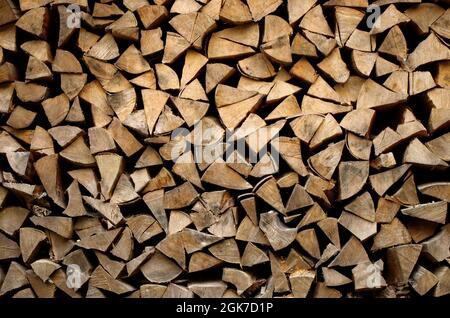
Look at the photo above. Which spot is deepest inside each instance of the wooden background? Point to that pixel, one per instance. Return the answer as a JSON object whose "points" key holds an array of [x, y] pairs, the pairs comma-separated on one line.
{"points": [[346, 101]]}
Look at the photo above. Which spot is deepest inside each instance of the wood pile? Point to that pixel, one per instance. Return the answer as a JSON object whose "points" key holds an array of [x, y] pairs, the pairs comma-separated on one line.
{"points": [[105, 106]]}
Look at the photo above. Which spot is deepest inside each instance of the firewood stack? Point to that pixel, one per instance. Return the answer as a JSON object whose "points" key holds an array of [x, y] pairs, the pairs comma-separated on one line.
{"points": [[105, 106]]}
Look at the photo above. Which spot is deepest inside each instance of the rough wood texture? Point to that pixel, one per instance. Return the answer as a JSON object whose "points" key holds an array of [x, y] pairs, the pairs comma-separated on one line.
{"points": [[224, 148]]}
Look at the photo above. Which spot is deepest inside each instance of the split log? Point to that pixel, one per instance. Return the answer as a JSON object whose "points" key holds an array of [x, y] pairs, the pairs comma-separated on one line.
{"points": [[400, 262], [367, 276], [422, 280]]}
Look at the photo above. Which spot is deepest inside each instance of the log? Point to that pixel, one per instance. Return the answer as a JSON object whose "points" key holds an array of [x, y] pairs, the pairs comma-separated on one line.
{"points": [[367, 276], [12, 218], [422, 280], [442, 285], [9, 249], [400, 262], [434, 212], [394, 233], [15, 278]]}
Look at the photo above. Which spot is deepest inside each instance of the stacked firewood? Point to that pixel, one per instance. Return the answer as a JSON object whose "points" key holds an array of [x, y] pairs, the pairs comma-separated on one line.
{"points": [[224, 148]]}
